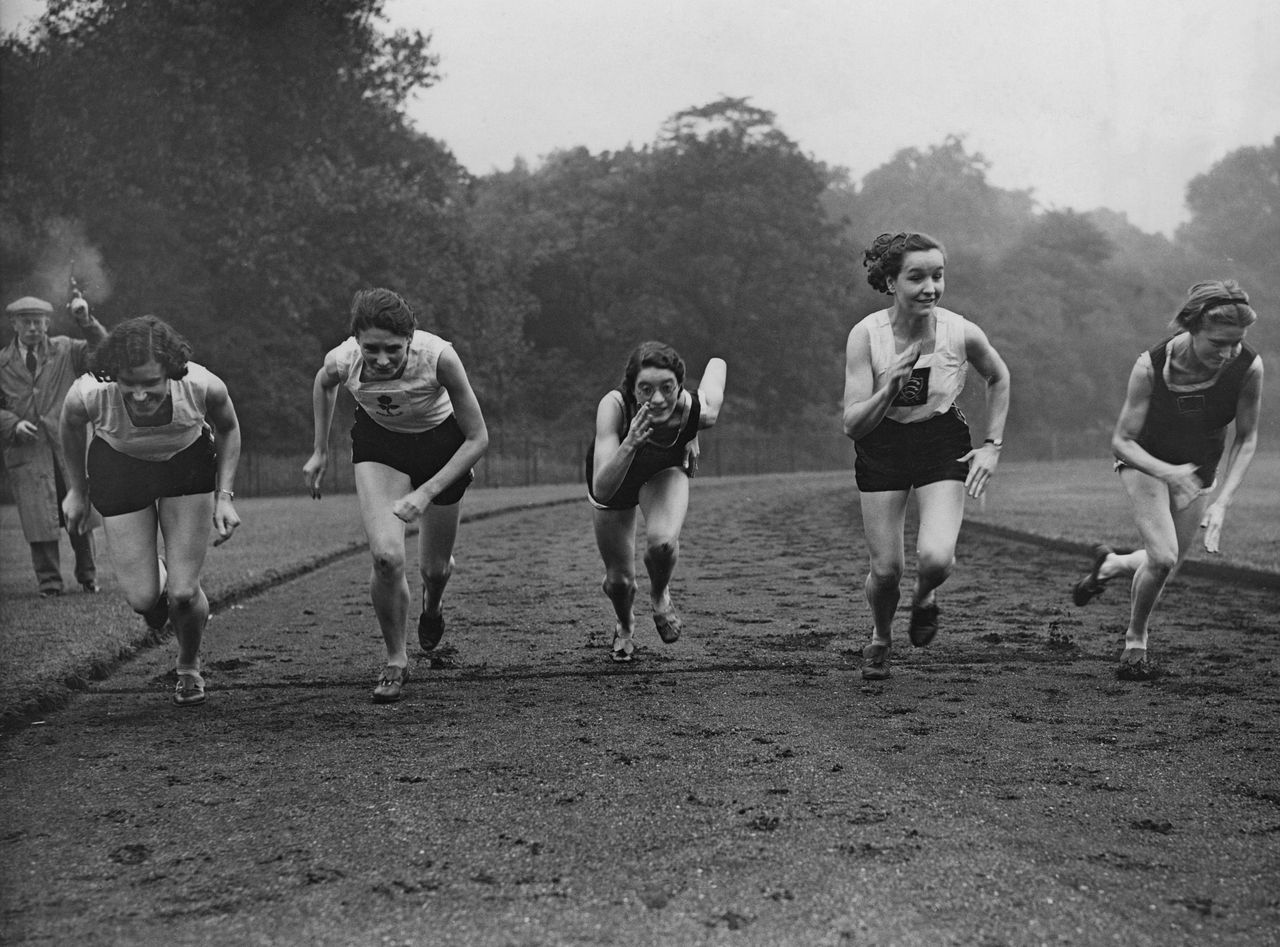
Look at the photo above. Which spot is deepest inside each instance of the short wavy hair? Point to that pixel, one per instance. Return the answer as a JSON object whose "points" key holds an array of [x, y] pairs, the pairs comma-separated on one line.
{"points": [[651, 355], [883, 259], [1216, 302], [382, 309], [137, 341]]}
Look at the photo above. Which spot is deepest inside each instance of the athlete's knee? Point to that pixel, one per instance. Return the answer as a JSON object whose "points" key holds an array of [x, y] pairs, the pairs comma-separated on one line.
{"points": [[140, 601], [183, 597], [1161, 561], [437, 573], [619, 586], [662, 549], [936, 563], [388, 563], [885, 572]]}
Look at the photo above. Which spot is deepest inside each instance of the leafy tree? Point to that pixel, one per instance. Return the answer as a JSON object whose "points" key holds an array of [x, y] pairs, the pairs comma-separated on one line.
{"points": [[1234, 232], [713, 239], [1235, 208], [942, 190], [549, 235], [738, 254], [555, 229], [243, 166]]}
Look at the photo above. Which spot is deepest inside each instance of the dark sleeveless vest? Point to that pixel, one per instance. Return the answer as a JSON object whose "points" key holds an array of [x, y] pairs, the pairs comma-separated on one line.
{"points": [[1190, 427], [650, 458]]}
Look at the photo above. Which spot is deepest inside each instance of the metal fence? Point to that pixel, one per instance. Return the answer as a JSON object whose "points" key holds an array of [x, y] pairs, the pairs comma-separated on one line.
{"points": [[527, 460], [519, 461]]}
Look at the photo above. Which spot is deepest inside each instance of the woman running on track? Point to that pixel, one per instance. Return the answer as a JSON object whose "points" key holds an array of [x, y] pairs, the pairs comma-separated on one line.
{"points": [[165, 448], [1168, 442], [644, 452], [904, 368], [418, 431]]}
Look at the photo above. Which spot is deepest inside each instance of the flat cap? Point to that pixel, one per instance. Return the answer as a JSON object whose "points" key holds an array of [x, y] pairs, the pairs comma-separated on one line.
{"points": [[29, 306]]}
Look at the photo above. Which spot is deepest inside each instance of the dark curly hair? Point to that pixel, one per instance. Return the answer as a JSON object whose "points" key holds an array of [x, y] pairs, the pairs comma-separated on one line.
{"points": [[650, 355], [1219, 302], [382, 309], [883, 259], [137, 341]]}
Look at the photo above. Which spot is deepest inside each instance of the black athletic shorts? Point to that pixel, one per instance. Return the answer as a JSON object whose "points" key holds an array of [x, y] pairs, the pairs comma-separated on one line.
{"points": [[898, 456], [120, 484], [644, 467], [421, 455]]}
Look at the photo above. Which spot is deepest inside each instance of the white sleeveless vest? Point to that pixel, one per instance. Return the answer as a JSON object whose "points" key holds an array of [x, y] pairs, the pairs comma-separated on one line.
{"points": [[937, 379], [111, 422], [410, 404]]}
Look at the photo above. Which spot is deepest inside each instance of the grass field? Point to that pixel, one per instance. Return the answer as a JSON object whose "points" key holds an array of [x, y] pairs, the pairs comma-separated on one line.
{"points": [[1083, 501], [1078, 500], [46, 644]]}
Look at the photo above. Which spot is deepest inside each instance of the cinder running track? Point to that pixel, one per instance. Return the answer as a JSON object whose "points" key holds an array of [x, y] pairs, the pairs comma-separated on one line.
{"points": [[743, 786]]}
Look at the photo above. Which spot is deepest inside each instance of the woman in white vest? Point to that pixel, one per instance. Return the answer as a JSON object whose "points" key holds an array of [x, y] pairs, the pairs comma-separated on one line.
{"points": [[165, 448], [418, 432], [904, 368]]}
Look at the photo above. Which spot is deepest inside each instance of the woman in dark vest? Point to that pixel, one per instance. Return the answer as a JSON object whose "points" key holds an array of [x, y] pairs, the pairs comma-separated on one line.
{"points": [[644, 452], [1168, 442]]}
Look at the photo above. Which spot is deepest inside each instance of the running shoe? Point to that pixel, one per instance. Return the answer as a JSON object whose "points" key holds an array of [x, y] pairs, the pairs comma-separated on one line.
{"points": [[623, 649], [1135, 665], [1084, 591], [189, 690], [390, 684], [430, 630], [924, 624], [875, 662], [668, 625]]}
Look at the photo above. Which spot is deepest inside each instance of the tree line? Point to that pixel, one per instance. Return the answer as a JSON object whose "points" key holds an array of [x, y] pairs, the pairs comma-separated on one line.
{"points": [[241, 168]]}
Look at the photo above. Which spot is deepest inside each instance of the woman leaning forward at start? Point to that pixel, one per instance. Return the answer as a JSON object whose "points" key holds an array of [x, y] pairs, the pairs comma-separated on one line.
{"points": [[418, 431], [644, 452], [165, 448], [904, 368], [1168, 442]]}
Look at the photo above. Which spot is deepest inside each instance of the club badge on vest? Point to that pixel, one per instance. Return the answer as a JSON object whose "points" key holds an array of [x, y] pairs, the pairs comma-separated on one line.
{"points": [[915, 391], [1190, 404]]}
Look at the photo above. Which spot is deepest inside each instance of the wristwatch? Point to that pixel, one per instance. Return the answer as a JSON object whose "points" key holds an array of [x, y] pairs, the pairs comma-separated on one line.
{"points": [[996, 442]]}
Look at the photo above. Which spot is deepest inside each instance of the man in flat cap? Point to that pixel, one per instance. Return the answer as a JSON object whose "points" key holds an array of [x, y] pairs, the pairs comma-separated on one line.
{"points": [[36, 370]]}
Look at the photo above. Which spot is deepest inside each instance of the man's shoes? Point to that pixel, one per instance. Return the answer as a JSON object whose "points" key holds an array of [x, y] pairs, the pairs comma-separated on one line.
{"points": [[924, 624], [430, 630], [189, 690], [875, 662], [390, 684], [91, 587], [50, 593]]}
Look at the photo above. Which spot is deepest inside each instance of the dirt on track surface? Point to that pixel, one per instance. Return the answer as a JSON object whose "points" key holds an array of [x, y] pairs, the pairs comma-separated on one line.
{"points": [[743, 786]]}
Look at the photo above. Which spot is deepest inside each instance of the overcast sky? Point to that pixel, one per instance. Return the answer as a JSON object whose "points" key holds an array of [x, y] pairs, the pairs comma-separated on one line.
{"points": [[1114, 103]]}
